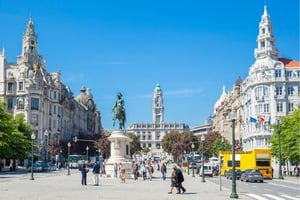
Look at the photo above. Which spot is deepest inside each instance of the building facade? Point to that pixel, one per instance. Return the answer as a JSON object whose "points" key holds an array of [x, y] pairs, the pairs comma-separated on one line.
{"points": [[151, 134], [271, 89], [269, 92], [27, 88]]}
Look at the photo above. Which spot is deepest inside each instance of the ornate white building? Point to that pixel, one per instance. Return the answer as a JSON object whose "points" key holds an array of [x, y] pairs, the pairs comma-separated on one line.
{"points": [[49, 105], [151, 134], [270, 91]]}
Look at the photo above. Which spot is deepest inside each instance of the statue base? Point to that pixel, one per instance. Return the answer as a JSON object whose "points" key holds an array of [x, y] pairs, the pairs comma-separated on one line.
{"points": [[119, 150]]}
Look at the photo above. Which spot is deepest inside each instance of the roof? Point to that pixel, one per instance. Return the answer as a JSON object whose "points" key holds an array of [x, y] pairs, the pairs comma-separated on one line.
{"points": [[289, 63]]}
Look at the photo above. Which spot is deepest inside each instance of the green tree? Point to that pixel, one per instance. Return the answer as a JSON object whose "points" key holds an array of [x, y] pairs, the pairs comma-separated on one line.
{"points": [[135, 144], [168, 140], [210, 139], [176, 143], [220, 144], [289, 130], [15, 134]]}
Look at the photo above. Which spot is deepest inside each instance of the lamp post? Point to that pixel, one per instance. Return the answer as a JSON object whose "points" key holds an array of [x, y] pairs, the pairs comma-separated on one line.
{"points": [[203, 140], [87, 153], [279, 150], [46, 145], [232, 116], [32, 140], [69, 145], [193, 146]]}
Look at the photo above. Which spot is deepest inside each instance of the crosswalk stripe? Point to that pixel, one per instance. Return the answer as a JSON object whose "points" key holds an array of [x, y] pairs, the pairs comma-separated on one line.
{"points": [[273, 197], [256, 196], [289, 197]]}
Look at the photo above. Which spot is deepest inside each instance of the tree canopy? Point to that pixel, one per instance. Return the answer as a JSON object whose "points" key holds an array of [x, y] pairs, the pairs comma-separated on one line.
{"points": [[289, 132], [15, 142]]}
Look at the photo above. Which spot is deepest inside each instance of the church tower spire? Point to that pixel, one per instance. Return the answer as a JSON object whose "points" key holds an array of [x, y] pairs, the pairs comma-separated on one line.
{"points": [[158, 105], [30, 44], [265, 39]]}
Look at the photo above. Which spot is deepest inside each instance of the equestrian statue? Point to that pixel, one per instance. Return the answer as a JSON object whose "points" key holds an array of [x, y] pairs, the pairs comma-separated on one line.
{"points": [[119, 112]]}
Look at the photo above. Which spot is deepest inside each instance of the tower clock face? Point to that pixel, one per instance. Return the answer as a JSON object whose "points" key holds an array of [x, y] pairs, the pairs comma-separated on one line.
{"points": [[32, 42]]}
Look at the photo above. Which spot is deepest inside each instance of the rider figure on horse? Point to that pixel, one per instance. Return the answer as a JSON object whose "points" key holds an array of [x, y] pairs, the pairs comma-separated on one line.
{"points": [[119, 111]]}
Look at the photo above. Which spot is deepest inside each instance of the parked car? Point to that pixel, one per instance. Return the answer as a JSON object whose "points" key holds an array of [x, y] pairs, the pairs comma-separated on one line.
{"points": [[238, 174], [252, 175], [37, 167], [208, 170]]}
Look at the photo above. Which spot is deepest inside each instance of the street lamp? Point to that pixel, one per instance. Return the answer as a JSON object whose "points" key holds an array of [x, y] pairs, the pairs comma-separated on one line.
{"points": [[279, 150], [32, 140], [203, 140], [193, 146], [46, 145], [87, 153], [69, 145], [232, 117]]}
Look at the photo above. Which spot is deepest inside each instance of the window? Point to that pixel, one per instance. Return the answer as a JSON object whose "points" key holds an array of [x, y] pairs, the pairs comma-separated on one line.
{"points": [[261, 91], [290, 90], [20, 102], [149, 137], [279, 107], [157, 146], [9, 104], [10, 87], [21, 86], [288, 74], [54, 110], [277, 73], [34, 120], [266, 108], [34, 104], [298, 73], [54, 95], [278, 90], [290, 107]]}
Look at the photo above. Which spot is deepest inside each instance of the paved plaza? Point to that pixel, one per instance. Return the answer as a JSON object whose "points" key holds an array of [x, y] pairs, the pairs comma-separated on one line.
{"points": [[58, 186]]}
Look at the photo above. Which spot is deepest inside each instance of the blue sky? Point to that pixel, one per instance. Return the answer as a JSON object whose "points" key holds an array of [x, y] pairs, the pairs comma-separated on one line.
{"points": [[190, 47]]}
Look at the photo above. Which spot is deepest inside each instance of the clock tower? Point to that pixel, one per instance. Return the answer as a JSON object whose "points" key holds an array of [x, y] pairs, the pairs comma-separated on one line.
{"points": [[158, 105]]}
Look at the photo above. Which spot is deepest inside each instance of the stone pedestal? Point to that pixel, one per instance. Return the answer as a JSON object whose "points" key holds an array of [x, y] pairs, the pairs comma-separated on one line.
{"points": [[120, 153]]}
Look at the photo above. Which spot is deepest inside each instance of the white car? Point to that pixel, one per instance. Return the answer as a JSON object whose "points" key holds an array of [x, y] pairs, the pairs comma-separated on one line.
{"points": [[208, 170]]}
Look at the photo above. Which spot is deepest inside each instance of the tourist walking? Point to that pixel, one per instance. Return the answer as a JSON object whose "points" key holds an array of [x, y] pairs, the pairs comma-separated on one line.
{"points": [[122, 173], [150, 170], [163, 170], [174, 182], [84, 170], [180, 179], [135, 169], [96, 173]]}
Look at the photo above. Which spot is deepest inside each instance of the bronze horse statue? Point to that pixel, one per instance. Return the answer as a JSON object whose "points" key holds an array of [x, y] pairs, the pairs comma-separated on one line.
{"points": [[119, 112]]}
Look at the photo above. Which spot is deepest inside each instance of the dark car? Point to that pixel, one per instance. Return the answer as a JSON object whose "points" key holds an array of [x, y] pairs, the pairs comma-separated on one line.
{"points": [[193, 165], [238, 173], [252, 175]]}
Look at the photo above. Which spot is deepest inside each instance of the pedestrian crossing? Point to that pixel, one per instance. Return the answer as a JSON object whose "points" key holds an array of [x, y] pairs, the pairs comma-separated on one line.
{"points": [[272, 197]]}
